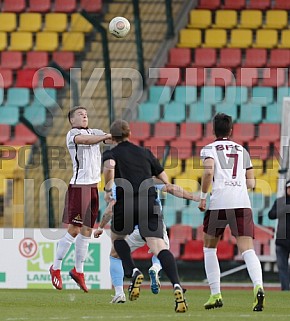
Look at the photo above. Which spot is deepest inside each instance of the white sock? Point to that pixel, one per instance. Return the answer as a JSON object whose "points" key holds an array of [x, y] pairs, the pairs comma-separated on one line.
{"points": [[63, 246], [156, 267], [253, 267], [212, 270], [119, 290], [81, 251]]}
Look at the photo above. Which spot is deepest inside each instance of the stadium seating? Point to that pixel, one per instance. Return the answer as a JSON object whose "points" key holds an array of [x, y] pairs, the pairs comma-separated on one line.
{"points": [[13, 5], [8, 21], [189, 38], [276, 19], [179, 57], [215, 38], [225, 19], [255, 57], [204, 57], [240, 38], [200, 19], [11, 59], [251, 19], [234, 4], [259, 4], [209, 4], [230, 58]]}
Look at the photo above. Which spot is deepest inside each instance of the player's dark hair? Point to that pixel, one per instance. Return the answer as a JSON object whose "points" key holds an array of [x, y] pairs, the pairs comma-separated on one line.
{"points": [[73, 110], [222, 125], [120, 130]]}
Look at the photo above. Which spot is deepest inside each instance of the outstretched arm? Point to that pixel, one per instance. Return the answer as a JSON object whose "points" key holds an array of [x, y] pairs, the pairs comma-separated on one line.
{"points": [[178, 191]]}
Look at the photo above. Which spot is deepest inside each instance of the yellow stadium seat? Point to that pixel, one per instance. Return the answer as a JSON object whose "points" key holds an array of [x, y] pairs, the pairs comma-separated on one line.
{"points": [[189, 38], [73, 41], [186, 182], [199, 19], [266, 38], [8, 21], [225, 19], [3, 40], [79, 23], [46, 41], [55, 22], [241, 38], [250, 19], [266, 185], [215, 38], [30, 22], [276, 19], [285, 39], [257, 166], [21, 41]]}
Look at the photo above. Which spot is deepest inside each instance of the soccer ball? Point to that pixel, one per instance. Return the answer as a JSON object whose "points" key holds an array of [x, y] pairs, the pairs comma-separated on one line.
{"points": [[119, 27]]}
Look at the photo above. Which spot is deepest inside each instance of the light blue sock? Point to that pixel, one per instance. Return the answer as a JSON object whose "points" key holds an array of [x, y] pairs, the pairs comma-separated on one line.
{"points": [[116, 271], [156, 263]]}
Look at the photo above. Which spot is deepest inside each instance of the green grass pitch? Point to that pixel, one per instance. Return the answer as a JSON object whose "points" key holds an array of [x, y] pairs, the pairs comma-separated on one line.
{"points": [[42, 305]]}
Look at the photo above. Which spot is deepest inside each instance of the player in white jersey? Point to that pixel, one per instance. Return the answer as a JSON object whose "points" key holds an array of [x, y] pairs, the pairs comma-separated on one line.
{"points": [[228, 168], [82, 200], [136, 241]]}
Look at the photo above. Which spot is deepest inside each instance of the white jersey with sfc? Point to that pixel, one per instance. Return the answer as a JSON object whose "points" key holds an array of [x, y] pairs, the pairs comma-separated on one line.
{"points": [[229, 189]]}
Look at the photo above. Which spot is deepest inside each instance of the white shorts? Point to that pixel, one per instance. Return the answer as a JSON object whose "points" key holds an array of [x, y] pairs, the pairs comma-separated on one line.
{"points": [[135, 240]]}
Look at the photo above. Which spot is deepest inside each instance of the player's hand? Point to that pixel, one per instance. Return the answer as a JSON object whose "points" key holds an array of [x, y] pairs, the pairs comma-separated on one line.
{"points": [[202, 205], [98, 232]]}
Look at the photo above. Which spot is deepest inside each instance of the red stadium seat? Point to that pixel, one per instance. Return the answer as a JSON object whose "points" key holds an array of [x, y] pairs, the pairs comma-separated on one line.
{"points": [[230, 58], [209, 4], [65, 59], [5, 133], [243, 132], [225, 250], [180, 232], [51, 78], [36, 59], [13, 5], [190, 131], [156, 146], [11, 59], [234, 4], [255, 57], [166, 131], [273, 77], [140, 130], [179, 57], [220, 77], [204, 57], [195, 76], [65, 6], [180, 148], [142, 253], [258, 149], [247, 77], [269, 132], [264, 236], [259, 4], [169, 77], [6, 78], [23, 135], [281, 4], [40, 6], [92, 6], [279, 58], [193, 251], [27, 78]]}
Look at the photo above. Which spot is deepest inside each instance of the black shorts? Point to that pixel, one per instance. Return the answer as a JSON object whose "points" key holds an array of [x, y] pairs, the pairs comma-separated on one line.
{"points": [[142, 211], [240, 221], [81, 205]]}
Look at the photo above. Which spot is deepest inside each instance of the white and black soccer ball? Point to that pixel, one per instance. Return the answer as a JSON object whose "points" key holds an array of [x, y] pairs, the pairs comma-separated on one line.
{"points": [[119, 27]]}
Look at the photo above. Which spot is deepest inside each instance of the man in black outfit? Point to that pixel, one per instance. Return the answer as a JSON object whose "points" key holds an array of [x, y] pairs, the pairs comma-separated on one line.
{"points": [[131, 168]]}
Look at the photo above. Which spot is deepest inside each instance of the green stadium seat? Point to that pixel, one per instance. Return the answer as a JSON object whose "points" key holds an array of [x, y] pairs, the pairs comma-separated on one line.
{"points": [[160, 94], [45, 96], [211, 94], [250, 113], [149, 112], [185, 94], [1, 96], [174, 112], [169, 213], [227, 108], [262, 95], [282, 92], [257, 200], [236, 94], [9, 115], [273, 113], [35, 114], [200, 112], [18, 97], [192, 216]]}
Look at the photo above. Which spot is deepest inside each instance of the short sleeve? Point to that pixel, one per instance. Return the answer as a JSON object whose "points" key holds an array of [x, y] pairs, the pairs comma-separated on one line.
{"points": [[108, 154], [98, 132], [247, 160], [71, 136], [206, 152], [156, 167]]}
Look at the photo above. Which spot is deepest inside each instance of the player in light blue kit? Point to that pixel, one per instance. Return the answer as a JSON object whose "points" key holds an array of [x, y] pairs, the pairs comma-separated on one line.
{"points": [[136, 241]]}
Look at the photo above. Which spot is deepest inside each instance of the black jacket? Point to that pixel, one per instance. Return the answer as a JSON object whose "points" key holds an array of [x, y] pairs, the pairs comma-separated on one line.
{"points": [[281, 211]]}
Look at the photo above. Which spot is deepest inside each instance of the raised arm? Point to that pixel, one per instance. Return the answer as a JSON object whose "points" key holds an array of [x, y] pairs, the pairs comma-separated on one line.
{"points": [[91, 139]]}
